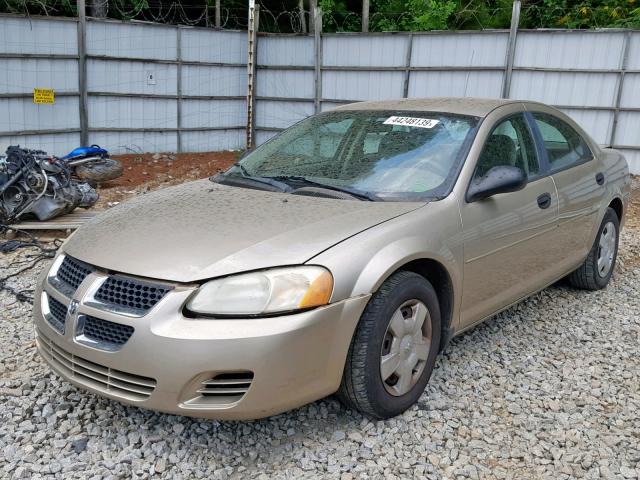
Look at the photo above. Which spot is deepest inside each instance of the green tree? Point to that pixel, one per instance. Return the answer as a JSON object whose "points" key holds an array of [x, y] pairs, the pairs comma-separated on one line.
{"points": [[582, 13], [385, 15], [338, 16]]}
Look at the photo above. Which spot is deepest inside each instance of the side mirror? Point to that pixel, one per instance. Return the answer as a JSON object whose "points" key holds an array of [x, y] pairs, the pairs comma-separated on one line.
{"points": [[501, 179]]}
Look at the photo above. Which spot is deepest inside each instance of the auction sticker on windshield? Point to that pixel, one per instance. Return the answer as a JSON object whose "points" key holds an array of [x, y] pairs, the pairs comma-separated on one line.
{"points": [[412, 122]]}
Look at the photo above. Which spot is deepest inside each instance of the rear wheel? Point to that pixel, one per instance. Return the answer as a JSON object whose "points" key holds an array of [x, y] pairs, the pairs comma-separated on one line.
{"points": [[596, 271], [394, 348]]}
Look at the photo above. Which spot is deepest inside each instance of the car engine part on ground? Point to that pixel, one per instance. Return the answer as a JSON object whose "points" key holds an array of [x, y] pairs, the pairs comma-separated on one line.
{"points": [[33, 183]]}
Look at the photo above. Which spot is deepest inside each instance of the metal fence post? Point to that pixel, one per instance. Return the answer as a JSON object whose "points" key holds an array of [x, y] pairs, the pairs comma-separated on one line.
{"points": [[313, 4], [511, 49], [179, 87], [317, 63], [624, 60], [365, 15], [82, 73], [254, 14], [407, 64]]}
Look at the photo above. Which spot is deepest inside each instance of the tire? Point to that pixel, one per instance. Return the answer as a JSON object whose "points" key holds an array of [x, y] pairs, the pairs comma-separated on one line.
{"points": [[590, 275], [100, 171], [362, 387]]}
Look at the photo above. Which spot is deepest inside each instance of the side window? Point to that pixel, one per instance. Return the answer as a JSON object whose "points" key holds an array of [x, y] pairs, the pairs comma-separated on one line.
{"points": [[510, 143], [565, 147], [372, 142]]}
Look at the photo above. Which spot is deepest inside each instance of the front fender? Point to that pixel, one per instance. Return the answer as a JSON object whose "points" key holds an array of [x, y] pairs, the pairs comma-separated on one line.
{"points": [[360, 264], [394, 255]]}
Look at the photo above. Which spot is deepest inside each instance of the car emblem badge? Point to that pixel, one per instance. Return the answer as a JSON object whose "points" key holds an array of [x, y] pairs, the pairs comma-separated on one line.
{"points": [[73, 307]]}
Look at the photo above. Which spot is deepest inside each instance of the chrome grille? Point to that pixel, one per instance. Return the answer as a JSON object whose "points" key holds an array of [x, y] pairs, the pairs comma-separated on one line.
{"points": [[124, 293], [104, 379], [72, 272], [58, 314], [104, 331]]}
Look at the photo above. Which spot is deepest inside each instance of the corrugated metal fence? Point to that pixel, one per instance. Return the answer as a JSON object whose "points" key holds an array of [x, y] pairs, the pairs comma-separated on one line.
{"points": [[150, 87], [593, 76], [167, 88]]}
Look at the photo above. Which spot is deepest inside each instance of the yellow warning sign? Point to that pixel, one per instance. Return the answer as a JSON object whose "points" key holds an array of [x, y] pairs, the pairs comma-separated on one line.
{"points": [[43, 95]]}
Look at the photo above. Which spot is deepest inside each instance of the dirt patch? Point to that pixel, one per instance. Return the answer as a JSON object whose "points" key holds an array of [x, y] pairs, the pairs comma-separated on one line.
{"points": [[149, 171]]}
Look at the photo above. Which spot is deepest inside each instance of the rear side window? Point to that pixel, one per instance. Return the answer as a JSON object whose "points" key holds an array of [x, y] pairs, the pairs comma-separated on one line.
{"points": [[565, 147]]}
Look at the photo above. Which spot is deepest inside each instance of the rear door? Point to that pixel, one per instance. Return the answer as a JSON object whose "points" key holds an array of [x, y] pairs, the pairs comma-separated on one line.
{"points": [[576, 173], [507, 237]]}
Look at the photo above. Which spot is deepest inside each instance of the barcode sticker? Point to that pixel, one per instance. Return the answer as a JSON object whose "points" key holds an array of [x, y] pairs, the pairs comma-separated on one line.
{"points": [[412, 122]]}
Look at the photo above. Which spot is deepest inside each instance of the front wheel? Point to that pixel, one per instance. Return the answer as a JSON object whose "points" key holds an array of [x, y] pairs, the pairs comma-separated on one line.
{"points": [[394, 348], [596, 271]]}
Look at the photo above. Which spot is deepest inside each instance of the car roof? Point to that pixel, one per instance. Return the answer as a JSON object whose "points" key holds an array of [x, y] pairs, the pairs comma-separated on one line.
{"points": [[477, 107]]}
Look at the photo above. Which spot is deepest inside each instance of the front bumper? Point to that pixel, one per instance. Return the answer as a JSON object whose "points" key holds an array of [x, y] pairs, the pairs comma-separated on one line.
{"points": [[293, 359]]}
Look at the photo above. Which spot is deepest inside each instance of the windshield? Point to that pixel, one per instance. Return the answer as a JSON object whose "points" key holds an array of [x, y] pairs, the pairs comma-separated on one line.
{"points": [[380, 155]]}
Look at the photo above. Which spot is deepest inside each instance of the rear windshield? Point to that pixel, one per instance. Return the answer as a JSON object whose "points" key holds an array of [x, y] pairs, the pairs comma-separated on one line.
{"points": [[394, 155]]}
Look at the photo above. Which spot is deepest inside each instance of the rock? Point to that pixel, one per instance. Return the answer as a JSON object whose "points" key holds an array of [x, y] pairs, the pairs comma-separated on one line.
{"points": [[514, 408], [338, 436], [10, 392], [161, 465], [79, 445], [629, 473], [178, 428], [47, 411]]}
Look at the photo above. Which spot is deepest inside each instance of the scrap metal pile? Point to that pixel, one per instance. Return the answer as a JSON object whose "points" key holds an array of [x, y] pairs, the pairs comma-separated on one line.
{"points": [[35, 184]]}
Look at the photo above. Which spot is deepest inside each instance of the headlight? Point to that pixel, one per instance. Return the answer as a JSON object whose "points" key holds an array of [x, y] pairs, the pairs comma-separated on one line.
{"points": [[266, 292]]}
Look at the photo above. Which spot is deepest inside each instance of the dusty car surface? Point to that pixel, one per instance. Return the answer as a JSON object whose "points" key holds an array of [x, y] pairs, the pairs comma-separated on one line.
{"points": [[340, 256]]}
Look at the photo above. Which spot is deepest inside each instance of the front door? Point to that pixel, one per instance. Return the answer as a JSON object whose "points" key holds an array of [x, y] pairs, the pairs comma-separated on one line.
{"points": [[506, 236]]}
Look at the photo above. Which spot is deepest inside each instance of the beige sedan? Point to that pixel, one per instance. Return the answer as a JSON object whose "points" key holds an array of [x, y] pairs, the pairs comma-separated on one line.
{"points": [[340, 256]]}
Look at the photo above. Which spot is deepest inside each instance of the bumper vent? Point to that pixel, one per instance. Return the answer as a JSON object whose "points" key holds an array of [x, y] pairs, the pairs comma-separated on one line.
{"points": [[72, 272], [224, 388], [128, 294], [104, 331], [57, 314], [93, 375]]}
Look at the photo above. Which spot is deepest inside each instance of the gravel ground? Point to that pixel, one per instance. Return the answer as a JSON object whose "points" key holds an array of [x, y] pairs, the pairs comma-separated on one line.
{"points": [[548, 389]]}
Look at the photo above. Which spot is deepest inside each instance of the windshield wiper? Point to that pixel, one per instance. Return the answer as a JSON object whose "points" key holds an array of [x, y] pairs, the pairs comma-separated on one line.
{"points": [[361, 194], [245, 175]]}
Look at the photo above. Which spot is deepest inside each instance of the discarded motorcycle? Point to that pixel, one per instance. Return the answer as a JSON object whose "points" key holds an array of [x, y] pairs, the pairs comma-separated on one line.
{"points": [[93, 164]]}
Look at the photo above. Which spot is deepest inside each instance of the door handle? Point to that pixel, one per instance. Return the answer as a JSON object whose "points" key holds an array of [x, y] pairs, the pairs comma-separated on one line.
{"points": [[600, 178], [544, 200]]}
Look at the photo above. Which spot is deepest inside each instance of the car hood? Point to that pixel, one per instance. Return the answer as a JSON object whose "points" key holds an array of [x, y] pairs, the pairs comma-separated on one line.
{"points": [[202, 230]]}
